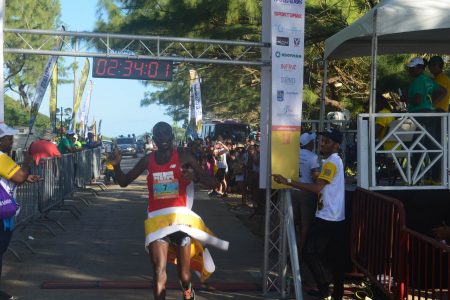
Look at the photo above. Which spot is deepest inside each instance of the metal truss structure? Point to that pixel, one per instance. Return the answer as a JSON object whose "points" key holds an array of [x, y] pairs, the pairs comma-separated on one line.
{"points": [[205, 51]]}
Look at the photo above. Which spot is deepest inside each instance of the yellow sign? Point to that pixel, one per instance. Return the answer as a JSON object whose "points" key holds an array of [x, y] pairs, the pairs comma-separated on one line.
{"points": [[285, 153]]}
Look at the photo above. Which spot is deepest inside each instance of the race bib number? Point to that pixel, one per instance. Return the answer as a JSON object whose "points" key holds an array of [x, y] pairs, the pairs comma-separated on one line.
{"points": [[165, 186]]}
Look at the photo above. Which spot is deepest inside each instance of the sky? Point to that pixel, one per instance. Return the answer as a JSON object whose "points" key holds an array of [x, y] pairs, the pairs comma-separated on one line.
{"points": [[114, 101]]}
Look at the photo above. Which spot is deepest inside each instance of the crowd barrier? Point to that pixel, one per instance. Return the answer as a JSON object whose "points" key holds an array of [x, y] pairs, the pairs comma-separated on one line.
{"points": [[427, 267], [402, 263], [60, 177]]}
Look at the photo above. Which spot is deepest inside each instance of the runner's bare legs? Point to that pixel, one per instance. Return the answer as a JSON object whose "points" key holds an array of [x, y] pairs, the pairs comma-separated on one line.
{"points": [[158, 254]]}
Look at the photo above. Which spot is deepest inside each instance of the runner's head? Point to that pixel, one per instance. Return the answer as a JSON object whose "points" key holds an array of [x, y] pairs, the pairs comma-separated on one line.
{"points": [[163, 136]]}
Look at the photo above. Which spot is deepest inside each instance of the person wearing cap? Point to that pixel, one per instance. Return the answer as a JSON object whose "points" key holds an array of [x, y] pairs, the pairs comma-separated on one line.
{"points": [[11, 175], [44, 147], [423, 91], [309, 171], [326, 236], [436, 66], [91, 143], [66, 144]]}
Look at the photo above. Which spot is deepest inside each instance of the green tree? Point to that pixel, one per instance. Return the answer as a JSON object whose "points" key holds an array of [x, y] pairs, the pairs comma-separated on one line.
{"points": [[22, 71], [234, 91], [16, 115]]}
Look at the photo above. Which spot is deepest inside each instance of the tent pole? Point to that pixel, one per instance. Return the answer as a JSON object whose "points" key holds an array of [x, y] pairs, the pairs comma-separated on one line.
{"points": [[372, 99], [323, 96], [2, 36]]}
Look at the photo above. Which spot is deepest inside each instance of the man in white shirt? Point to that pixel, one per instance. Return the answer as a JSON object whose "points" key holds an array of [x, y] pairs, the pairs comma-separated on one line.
{"points": [[326, 237], [309, 171]]}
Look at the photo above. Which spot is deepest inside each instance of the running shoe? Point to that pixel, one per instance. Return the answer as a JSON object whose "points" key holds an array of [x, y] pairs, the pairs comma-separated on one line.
{"points": [[5, 296], [189, 293]]}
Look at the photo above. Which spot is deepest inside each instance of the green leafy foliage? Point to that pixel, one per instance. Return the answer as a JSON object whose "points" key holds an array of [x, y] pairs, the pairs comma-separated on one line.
{"points": [[16, 115], [22, 71], [234, 91]]}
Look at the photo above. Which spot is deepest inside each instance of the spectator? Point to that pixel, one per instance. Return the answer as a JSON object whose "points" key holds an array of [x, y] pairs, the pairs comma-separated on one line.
{"points": [[220, 154], [309, 171], [423, 92], [44, 147], [382, 123], [326, 237], [109, 169], [76, 141], [66, 144], [436, 66], [91, 143], [238, 167], [11, 175], [148, 147]]}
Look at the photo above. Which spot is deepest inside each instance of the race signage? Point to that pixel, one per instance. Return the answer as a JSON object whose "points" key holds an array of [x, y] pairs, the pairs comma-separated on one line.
{"points": [[287, 33]]}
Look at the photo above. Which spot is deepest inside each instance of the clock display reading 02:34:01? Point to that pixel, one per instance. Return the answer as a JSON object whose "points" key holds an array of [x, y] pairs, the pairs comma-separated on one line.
{"points": [[123, 68]]}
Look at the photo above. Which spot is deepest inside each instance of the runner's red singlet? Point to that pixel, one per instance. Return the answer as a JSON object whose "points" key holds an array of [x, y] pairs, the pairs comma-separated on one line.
{"points": [[166, 184]]}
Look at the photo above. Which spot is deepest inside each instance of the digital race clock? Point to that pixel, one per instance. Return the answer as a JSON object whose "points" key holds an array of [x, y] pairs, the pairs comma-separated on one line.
{"points": [[124, 68]]}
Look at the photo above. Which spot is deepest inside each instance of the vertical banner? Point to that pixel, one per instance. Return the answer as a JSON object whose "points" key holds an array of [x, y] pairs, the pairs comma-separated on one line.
{"points": [[99, 131], [82, 84], [53, 97], [287, 31], [83, 116], [195, 101], [43, 84]]}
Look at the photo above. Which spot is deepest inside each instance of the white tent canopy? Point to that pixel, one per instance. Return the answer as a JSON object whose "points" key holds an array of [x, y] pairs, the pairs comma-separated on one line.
{"points": [[404, 26]]}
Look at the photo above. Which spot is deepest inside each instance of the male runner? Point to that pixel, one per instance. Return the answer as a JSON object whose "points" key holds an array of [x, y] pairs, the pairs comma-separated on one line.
{"points": [[171, 172]]}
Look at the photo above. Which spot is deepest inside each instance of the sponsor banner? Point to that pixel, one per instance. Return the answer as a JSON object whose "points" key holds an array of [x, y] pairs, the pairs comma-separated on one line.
{"points": [[285, 152], [80, 91], [99, 132], [43, 82], [195, 100], [53, 97], [288, 24], [84, 113]]}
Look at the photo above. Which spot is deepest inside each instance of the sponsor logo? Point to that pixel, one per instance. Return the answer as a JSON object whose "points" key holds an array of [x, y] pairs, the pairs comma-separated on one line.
{"points": [[288, 67], [280, 96], [297, 42], [173, 166], [296, 2], [287, 14], [288, 80], [287, 111], [282, 41], [291, 55], [284, 28], [162, 176]]}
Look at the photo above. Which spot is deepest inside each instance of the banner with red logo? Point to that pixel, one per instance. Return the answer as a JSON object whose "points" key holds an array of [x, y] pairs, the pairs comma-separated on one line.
{"points": [[287, 28]]}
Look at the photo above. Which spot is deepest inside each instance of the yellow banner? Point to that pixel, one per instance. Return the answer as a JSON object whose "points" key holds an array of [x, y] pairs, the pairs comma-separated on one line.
{"points": [[201, 262], [285, 153], [77, 102], [53, 95]]}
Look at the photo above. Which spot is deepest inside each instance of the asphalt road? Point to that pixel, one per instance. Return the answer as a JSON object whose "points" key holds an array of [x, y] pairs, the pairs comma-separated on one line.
{"points": [[101, 255]]}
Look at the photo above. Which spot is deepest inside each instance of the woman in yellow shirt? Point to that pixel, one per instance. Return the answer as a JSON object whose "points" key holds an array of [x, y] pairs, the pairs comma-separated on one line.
{"points": [[11, 175]]}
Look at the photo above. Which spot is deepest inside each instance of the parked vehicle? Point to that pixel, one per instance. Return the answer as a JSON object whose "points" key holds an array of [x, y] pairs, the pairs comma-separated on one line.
{"points": [[236, 131], [127, 146]]}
